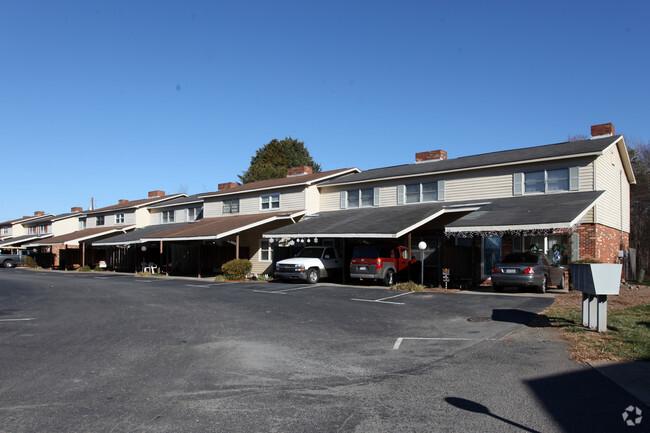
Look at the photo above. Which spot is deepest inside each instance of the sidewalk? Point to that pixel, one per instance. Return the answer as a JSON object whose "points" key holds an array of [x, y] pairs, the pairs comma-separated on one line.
{"points": [[634, 377]]}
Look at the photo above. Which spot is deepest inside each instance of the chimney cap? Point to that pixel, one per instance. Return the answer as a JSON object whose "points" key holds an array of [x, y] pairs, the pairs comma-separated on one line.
{"points": [[602, 130], [156, 193], [299, 171], [432, 155]]}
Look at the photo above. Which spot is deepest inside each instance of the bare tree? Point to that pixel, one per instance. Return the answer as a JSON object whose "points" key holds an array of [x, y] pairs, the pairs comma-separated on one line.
{"points": [[640, 200]]}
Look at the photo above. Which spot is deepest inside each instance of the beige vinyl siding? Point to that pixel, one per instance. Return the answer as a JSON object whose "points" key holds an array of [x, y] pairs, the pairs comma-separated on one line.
{"points": [[139, 217], [330, 198], [65, 226], [480, 185], [251, 239], [611, 178], [212, 207], [312, 199]]}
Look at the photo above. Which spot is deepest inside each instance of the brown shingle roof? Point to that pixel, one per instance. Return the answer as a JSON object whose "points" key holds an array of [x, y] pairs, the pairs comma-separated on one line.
{"points": [[81, 234], [282, 182], [215, 228], [132, 204]]}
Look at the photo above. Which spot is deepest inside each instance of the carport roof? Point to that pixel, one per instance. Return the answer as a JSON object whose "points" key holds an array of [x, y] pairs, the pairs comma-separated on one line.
{"points": [[219, 227], [20, 240], [81, 235], [372, 222], [513, 214], [527, 213], [136, 236]]}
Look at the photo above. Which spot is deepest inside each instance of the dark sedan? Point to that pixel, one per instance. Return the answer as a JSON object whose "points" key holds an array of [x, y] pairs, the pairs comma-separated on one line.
{"points": [[527, 269]]}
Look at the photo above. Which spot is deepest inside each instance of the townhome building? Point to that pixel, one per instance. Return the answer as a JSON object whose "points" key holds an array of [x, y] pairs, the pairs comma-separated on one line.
{"points": [[206, 230], [571, 200], [16, 232], [69, 247]]}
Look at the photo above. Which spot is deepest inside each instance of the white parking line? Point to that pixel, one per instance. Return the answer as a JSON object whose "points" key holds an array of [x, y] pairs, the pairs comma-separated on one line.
{"points": [[383, 300], [16, 320], [398, 342], [203, 285], [282, 292]]}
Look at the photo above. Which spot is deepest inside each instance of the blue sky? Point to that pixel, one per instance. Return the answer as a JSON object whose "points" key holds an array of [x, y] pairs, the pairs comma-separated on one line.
{"points": [[112, 99]]}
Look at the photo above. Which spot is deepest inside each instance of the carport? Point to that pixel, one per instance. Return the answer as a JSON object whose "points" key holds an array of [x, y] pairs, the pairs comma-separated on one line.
{"points": [[69, 250], [392, 224], [202, 246]]}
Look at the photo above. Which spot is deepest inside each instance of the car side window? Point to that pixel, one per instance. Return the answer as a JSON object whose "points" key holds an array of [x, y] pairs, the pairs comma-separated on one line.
{"points": [[405, 254], [545, 261], [328, 254]]}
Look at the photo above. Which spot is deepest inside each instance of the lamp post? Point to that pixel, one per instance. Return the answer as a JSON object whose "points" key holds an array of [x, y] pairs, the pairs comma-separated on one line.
{"points": [[422, 246]]}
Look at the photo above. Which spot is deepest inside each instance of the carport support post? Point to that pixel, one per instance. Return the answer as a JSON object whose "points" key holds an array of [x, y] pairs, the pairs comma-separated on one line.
{"points": [[410, 255], [83, 254], [199, 261], [237, 246]]}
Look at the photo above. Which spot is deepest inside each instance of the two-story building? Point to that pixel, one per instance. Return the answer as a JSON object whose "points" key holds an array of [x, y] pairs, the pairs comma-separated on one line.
{"points": [[69, 246], [210, 229], [16, 232], [568, 199]]}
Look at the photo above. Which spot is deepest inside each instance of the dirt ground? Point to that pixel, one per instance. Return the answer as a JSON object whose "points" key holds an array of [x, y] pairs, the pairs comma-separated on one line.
{"points": [[630, 294]]}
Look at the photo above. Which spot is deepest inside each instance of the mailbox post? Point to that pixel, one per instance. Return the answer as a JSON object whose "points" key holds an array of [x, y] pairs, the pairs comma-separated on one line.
{"points": [[596, 281]]}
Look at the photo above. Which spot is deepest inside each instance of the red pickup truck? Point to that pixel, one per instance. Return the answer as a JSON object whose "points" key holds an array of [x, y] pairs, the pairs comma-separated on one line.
{"points": [[381, 263]]}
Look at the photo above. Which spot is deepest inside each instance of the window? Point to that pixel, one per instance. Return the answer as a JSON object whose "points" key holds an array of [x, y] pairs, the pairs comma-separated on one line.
{"points": [[419, 192], [119, 218], [42, 229], [31, 230], [167, 216], [5, 230], [539, 182], [82, 223], [231, 206], [266, 253], [193, 213], [270, 201], [100, 221], [361, 197]]}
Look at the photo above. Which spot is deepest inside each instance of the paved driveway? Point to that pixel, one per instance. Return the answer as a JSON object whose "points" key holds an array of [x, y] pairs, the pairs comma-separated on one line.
{"points": [[110, 352]]}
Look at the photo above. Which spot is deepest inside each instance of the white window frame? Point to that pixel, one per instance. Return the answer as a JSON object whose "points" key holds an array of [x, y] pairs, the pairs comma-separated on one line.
{"points": [[82, 223], [268, 250], [164, 217], [270, 202], [419, 195], [546, 181], [228, 206], [119, 218], [193, 210]]}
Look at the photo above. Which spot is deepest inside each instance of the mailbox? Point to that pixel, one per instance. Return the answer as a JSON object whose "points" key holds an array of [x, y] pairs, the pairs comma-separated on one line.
{"points": [[595, 281]]}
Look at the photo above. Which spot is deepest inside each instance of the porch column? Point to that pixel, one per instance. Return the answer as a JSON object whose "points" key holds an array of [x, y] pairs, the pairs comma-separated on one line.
{"points": [[160, 253], [410, 255], [199, 260], [237, 246]]}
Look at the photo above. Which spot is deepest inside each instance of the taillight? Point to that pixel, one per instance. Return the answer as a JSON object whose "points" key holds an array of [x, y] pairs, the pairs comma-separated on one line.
{"points": [[529, 271], [495, 270], [379, 264]]}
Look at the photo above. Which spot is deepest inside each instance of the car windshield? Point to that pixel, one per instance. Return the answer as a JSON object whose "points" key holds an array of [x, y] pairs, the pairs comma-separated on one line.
{"points": [[314, 253], [527, 258]]}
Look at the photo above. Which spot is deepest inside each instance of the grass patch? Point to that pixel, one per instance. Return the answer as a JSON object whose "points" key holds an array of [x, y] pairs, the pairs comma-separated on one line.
{"points": [[627, 338]]}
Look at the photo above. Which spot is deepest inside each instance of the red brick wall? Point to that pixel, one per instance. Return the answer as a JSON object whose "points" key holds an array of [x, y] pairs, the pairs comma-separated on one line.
{"points": [[601, 243]]}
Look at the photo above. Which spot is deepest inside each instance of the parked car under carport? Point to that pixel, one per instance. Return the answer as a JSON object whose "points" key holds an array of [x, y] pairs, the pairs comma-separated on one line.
{"points": [[527, 269]]}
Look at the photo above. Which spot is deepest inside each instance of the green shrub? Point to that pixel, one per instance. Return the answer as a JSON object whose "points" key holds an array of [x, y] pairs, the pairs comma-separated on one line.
{"points": [[237, 269], [84, 269], [409, 286], [587, 261], [220, 279]]}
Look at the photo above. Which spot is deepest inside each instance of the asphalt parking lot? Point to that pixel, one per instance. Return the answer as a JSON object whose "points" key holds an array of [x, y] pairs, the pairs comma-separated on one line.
{"points": [[111, 352]]}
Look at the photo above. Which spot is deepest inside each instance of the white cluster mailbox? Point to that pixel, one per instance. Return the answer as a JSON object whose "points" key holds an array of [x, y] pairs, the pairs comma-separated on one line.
{"points": [[595, 281]]}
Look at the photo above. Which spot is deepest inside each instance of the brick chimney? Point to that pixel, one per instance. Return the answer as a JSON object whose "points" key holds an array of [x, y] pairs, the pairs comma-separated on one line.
{"points": [[227, 185], [602, 130], [432, 155], [39, 213], [122, 201], [76, 209], [156, 193], [299, 171]]}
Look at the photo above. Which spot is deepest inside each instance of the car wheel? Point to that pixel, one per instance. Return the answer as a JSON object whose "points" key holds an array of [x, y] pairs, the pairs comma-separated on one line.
{"points": [[497, 288], [313, 276], [8, 264], [542, 287], [562, 283], [389, 278]]}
